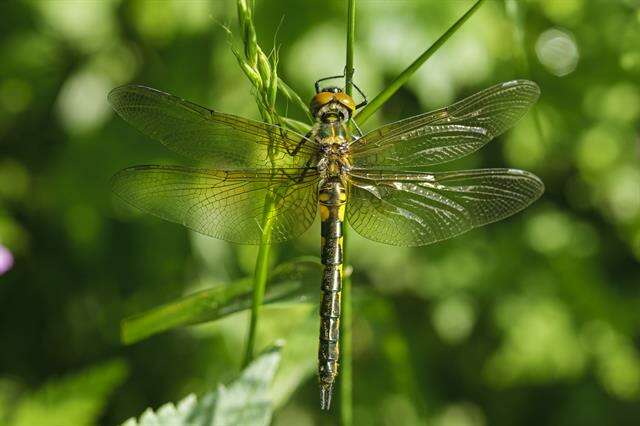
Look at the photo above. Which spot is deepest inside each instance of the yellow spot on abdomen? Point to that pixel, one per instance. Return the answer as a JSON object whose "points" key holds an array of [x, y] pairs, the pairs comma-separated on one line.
{"points": [[324, 212]]}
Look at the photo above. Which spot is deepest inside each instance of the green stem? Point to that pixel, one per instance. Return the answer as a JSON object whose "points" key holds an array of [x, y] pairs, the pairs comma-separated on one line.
{"points": [[263, 75], [516, 13], [351, 32], [259, 286], [346, 380], [401, 79], [260, 276]]}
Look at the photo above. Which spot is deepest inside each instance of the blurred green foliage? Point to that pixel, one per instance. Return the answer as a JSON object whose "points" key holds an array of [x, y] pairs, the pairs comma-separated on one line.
{"points": [[533, 320]]}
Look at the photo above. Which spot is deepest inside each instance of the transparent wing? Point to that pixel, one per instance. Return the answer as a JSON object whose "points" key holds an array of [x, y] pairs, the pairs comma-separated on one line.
{"points": [[228, 205], [213, 138], [414, 209], [448, 133]]}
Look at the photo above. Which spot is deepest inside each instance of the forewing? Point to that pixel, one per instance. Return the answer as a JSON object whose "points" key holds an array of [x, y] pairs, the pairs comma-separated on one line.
{"points": [[229, 205], [213, 138], [414, 209], [448, 133]]}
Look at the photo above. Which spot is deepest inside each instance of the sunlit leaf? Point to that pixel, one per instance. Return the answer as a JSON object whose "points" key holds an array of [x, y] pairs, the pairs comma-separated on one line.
{"points": [[286, 283], [245, 401]]}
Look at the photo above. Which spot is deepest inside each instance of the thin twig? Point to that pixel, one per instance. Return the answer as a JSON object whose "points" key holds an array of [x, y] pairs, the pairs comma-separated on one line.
{"points": [[404, 76]]}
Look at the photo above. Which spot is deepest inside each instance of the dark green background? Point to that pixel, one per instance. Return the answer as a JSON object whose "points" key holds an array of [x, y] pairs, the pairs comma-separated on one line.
{"points": [[531, 321]]}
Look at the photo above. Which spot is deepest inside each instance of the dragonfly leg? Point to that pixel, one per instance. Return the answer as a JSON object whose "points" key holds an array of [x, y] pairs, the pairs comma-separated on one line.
{"points": [[360, 134], [300, 144], [325, 79]]}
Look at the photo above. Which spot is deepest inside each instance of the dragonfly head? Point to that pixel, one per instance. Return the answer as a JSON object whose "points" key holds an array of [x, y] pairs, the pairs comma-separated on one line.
{"points": [[332, 104]]}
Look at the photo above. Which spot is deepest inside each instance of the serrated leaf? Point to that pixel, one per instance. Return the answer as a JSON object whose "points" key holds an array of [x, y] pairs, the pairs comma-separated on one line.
{"points": [[286, 283], [168, 414], [245, 401]]}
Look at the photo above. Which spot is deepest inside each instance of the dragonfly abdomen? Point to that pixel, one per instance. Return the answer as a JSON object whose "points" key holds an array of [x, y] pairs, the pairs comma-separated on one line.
{"points": [[332, 198]]}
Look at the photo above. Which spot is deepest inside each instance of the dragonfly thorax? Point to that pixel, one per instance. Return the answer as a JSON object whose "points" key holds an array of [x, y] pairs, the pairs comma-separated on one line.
{"points": [[333, 143], [332, 110]]}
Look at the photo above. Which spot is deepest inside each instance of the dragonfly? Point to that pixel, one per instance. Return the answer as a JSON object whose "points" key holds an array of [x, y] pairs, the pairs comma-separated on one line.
{"points": [[256, 182]]}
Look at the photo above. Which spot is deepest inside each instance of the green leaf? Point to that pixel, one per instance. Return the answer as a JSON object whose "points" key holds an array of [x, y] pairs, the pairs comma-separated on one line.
{"points": [[77, 399], [245, 401], [286, 283], [404, 76]]}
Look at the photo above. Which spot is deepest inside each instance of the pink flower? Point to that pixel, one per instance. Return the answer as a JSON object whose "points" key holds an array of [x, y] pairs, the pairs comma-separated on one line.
{"points": [[6, 259]]}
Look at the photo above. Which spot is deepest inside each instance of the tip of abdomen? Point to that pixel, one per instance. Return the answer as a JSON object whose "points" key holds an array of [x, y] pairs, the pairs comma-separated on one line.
{"points": [[326, 389]]}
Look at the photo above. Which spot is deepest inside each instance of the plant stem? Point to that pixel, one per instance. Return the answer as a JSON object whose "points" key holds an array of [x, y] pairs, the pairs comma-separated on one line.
{"points": [[346, 380], [260, 275], [516, 13], [262, 72], [351, 30], [401, 79]]}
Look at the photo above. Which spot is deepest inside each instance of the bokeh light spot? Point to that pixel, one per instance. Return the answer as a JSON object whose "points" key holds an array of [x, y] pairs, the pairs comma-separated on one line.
{"points": [[82, 104], [453, 319], [462, 414], [617, 361], [88, 24], [630, 61], [621, 103], [557, 51], [563, 10], [549, 232], [541, 344], [598, 149], [622, 192]]}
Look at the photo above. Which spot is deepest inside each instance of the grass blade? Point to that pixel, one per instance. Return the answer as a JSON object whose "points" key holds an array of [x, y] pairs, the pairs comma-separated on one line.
{"points": [[403, 77], [292, 96], [288, 282]]}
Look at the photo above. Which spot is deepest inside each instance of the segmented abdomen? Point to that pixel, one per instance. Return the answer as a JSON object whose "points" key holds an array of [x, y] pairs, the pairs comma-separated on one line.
{"points": [[332, 198]]}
